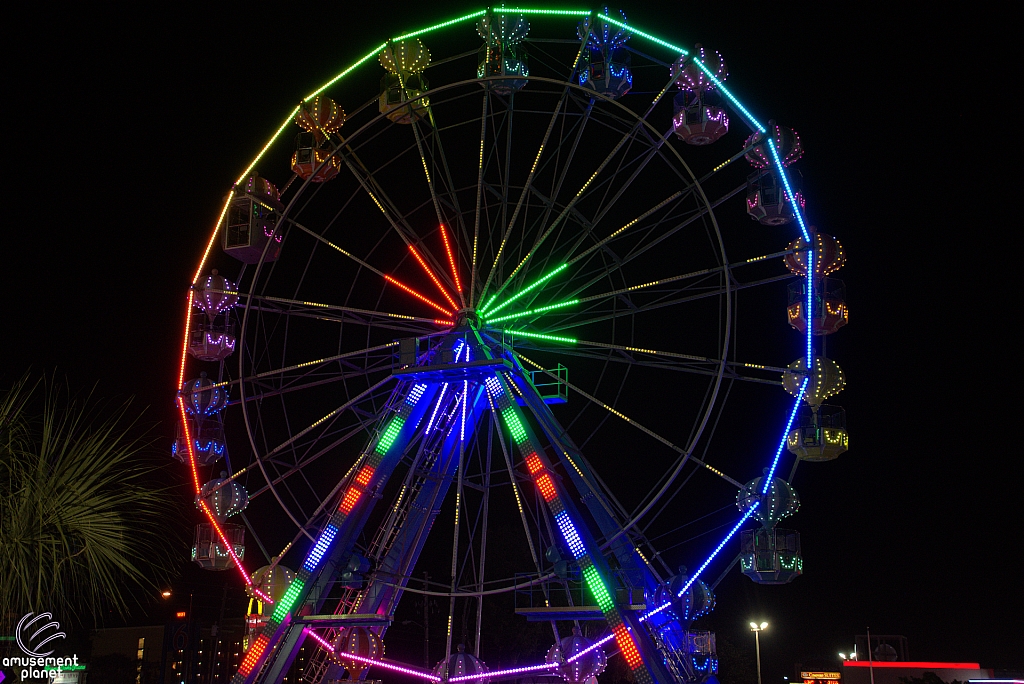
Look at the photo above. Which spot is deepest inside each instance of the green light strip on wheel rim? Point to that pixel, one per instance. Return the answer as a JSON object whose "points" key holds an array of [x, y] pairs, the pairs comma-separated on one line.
{"points": [[451, 22], [443, 24]]}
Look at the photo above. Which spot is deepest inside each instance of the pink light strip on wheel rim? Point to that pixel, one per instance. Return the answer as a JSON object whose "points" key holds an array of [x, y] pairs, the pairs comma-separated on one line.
{"points": [[326, 645]]}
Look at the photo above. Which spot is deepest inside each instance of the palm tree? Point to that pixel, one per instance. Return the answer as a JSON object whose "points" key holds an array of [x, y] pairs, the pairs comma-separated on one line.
{"points": [[83, 527]]}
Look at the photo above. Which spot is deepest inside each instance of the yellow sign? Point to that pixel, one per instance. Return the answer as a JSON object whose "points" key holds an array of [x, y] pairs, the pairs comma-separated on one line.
{"points": [[821, 675]]}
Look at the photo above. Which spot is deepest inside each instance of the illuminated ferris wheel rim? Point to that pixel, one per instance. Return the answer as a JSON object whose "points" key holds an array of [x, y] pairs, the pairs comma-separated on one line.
{"points": [[578, 14], [441, 89]]}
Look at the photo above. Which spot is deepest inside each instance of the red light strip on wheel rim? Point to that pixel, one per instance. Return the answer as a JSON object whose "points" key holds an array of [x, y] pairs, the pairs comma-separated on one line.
{"points": [[451, 258], [433, 277], [418, 296], [205, 507]]}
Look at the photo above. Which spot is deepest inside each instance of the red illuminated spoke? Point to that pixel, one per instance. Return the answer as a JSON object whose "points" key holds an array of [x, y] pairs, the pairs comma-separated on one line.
{"points": [[433, 278], [418, 296], [451, 259], [367, 266]]}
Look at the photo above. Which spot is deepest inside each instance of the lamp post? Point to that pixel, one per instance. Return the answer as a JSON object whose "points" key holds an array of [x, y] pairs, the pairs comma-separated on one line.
{"points": [[757, 629]]}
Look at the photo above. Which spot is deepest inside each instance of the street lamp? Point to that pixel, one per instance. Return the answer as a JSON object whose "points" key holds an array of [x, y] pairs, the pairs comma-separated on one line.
{"points": [[757, 629]]}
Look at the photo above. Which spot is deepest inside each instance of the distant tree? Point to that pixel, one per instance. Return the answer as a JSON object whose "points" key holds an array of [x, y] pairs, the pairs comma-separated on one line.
{"points": [[83, 524]]}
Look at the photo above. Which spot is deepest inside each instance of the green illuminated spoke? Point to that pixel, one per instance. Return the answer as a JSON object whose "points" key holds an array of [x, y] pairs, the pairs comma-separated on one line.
{"points": [[524, 291], [628, 136], [662, 303], [540, 336], [533, 312], [639, 250]]}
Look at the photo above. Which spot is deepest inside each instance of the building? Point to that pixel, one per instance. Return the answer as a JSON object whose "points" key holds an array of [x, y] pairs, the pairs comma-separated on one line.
{"points": [[861, 671]]}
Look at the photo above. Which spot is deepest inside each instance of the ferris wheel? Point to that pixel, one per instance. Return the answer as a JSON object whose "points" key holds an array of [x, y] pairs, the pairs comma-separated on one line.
{"points": [[484, 317]]}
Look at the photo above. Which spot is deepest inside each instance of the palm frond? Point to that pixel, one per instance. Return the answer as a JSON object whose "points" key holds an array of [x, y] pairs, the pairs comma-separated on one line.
{"points": [[82, 524]]}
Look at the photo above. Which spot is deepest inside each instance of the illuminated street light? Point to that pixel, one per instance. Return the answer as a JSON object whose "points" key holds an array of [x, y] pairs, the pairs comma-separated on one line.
{"points": [[166, 593], [757, 629]]}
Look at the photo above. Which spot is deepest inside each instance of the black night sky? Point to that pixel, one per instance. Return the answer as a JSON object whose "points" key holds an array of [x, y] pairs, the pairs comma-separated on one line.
{"points": [[130, 124]]}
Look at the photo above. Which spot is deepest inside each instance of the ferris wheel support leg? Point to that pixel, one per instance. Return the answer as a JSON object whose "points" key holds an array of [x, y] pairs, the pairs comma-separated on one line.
{"points": [[270, 655], [637, 568], [396, 564], [644, 661]]}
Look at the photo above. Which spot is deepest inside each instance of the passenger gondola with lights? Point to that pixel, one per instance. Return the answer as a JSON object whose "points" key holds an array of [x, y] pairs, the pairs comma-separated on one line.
{"points": [[769, 202], [402, 89], [502, 53], [770, 555], [699, 115], [250, 231], [605, 65]]}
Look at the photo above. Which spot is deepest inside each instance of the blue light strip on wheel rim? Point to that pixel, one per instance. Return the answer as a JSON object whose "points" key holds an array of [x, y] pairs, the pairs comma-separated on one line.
{"points": [[785, 435], [808, 237]]}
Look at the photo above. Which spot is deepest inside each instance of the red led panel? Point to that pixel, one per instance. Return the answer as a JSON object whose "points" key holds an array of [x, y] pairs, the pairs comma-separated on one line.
{"points": [[546, 487], [253, 655], [533, 463], [351, 496], [363, 478], [627, 647]]}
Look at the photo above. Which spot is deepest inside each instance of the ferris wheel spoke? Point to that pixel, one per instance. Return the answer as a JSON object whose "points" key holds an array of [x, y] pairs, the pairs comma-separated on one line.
{"points": [[368, 182], [620, 261], [298, 306], [507, 228], [436, 142], [479, 199], [686, 455], [289, 469], [588, 254], [662, 303], [555, 115], [557, 182], [441, 220], [364, 264], [630, 135], [344, 407], [707, 368], [626, 292]]}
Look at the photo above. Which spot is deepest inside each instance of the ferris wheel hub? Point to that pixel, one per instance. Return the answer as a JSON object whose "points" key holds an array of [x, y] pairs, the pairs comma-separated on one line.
{"points": [[466, 319]]}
